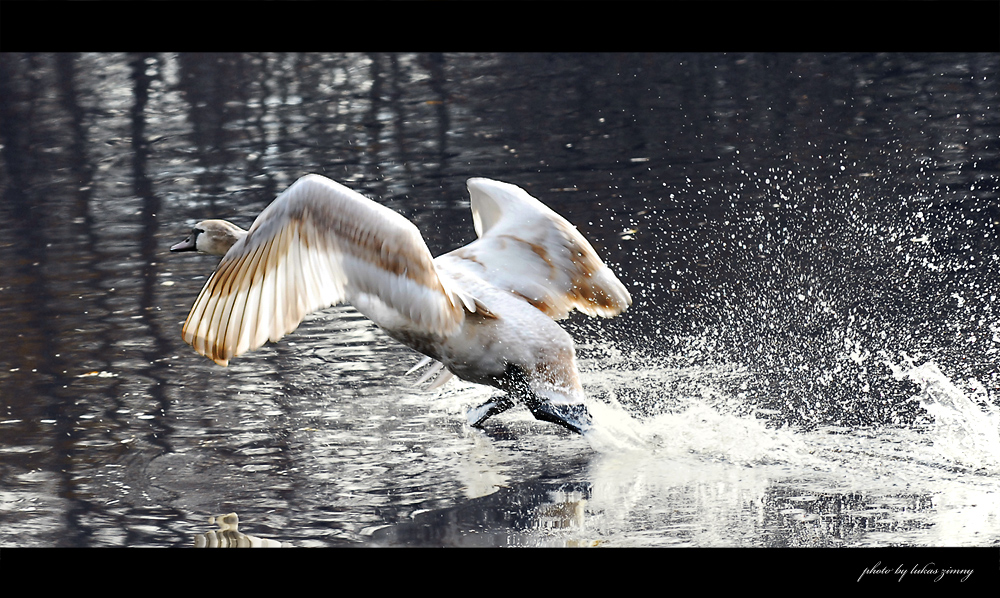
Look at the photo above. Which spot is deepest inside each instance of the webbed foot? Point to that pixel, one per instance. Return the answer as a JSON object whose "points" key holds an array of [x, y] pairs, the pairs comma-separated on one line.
{"points": [[478, 415], [574, 417]]}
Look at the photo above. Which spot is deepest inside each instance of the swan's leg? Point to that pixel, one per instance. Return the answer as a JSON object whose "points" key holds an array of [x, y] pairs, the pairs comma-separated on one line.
{"points": [[574, 417], [546, 404], [549, 404], [478, 415], [554, 393]]}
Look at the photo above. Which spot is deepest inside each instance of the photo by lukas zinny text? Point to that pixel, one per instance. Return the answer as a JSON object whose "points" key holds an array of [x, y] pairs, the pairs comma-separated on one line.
{"points": [[930, 571]]}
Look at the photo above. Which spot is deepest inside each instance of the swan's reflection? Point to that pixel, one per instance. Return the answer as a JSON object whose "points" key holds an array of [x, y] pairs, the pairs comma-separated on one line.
{"points": [[229, 536], [533, 514]]}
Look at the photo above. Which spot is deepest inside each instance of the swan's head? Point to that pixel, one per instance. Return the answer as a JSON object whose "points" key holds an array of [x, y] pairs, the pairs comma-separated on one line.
{"points": [[211, 236]]}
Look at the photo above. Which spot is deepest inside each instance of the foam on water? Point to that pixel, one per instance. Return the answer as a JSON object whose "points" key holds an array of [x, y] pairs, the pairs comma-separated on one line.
{"points": [[698, 429], [707, 416]]}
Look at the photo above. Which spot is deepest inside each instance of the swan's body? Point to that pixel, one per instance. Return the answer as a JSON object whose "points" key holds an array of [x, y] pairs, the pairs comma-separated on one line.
{"points": [[484, 312]]}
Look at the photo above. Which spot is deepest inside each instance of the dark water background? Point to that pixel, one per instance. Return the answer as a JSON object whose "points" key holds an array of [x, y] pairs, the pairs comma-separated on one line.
{"points": [[802, 235]]}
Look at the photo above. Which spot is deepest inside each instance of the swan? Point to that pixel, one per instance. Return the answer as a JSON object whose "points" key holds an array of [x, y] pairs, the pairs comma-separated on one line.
{"points": [[484, 312]]}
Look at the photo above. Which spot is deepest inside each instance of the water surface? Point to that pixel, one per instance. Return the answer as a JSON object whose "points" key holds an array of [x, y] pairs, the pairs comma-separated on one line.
{"points": [[810, 242]]}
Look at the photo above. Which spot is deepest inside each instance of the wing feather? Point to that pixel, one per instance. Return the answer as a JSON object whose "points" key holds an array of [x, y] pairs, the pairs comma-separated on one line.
{"points": [[251, 285], [319, 244], [530, 250]]}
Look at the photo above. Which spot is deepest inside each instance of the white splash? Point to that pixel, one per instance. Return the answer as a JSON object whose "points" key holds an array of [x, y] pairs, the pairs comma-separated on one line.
{"points": [[700, 424], [966, 429]]}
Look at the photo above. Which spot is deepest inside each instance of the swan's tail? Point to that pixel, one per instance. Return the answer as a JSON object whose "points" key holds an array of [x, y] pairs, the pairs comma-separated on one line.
{"points": [[434, 369]]}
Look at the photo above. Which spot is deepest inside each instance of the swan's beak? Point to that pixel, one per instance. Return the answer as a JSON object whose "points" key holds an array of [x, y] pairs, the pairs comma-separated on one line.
{"points": [[185, 245]]}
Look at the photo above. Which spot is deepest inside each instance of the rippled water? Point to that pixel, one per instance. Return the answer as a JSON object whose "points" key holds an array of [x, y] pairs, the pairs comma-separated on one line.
{"points": [[810, 361]]}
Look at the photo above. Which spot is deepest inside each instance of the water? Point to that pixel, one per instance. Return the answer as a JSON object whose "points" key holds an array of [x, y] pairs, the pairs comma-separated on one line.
{"points": [[810, 361]]}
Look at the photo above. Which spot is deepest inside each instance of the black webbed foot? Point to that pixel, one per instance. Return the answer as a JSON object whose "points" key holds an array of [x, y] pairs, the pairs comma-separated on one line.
{"points": [[574, 417], [478, 415]]}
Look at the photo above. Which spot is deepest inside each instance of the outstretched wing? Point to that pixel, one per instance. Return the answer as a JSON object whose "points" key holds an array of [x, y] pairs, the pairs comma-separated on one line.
{"points": [[530, 250], [318, 244]]}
